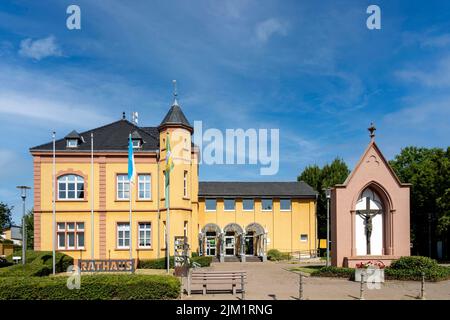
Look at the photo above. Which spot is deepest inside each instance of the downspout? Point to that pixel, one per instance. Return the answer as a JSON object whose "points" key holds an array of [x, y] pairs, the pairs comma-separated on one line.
{"points": [[157, 203], [317, 227]]}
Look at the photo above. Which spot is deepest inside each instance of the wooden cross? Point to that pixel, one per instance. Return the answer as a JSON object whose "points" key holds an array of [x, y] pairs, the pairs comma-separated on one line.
{"points": [[368, 215]]}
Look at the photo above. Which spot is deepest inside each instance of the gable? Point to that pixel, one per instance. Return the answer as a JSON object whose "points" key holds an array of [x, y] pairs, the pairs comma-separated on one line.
{"points": [[373, 163]]}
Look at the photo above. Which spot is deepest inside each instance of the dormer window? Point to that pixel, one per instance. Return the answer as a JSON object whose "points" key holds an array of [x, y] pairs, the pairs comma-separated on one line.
{"points": [[72, 143], [73, 139], [136, 139], [136, 143]]}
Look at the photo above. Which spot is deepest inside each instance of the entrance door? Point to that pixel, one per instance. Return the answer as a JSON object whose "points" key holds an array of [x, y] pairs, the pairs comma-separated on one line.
{"points": [[211, 246], [230, 245], [249, 246]]}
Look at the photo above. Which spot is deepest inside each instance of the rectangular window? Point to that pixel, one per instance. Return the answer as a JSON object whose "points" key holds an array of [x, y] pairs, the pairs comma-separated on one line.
{"points": [[248, 204], [123, 235], [144, 187], [123, 187], [285, 204], [229, 204], [210, 204], [145, 229], [185, 184], [70, 235], [267, 204], [72, 143], [303, 237]]}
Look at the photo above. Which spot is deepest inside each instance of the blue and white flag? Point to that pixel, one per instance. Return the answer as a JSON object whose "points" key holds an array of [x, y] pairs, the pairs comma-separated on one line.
{"points": [[131, 169]]}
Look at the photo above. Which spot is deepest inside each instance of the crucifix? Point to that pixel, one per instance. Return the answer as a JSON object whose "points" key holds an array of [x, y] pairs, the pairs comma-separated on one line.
{"points": [[368, 215]]}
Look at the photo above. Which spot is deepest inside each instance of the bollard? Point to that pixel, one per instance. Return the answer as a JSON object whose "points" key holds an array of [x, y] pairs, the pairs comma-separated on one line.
{"points": [[242, 287], [361, 288], [300, 288], [422, 287]]}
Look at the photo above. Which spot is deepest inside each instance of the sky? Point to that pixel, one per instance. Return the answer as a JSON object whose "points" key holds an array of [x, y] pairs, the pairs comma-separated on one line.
{"points": [[311, 69]]}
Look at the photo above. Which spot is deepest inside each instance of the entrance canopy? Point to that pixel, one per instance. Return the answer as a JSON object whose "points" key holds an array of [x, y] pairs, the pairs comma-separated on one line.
{"points": [[256, 228], [211, 227], [233, 227]]}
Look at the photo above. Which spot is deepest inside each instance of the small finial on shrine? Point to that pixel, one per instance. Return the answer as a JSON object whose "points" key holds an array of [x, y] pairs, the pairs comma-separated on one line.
{"points": [[372, 131], [175, 94]]}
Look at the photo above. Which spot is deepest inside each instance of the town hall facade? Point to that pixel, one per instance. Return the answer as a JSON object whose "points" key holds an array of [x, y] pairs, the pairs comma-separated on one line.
{"points": [[227, 220]]}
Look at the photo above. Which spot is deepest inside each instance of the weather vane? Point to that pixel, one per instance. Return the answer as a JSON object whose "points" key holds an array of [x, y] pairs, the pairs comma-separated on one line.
{"points": [[372, 130]]}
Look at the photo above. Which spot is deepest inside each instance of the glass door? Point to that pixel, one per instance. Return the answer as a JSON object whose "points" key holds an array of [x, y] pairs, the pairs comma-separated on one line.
{"points": [[211, 246], [249, 246], [230, 245]]}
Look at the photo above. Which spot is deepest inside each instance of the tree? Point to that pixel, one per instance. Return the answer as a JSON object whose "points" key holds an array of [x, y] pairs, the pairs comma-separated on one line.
{"points": [[428, 170], [29, 223], [320, 178], [5, 216]]}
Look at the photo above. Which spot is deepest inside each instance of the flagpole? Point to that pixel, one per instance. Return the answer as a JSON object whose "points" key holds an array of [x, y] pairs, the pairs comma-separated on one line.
{"points": [[54, 204], [168, 220], [131, 172], [131, 229], [92, 196]]}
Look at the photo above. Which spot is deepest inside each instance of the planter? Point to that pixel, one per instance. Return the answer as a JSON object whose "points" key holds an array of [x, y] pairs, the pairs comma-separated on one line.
{"points": [[372, 275]]}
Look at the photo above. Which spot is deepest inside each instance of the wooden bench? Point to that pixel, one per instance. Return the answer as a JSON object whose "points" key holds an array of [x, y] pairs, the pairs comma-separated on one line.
{"points": [[229, 279]]}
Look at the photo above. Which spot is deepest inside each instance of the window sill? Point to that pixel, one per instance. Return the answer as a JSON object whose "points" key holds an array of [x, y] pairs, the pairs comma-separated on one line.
{"points": [[249, 210], [210, 210], [122, 200], [229, 210], [144, 249], [143, 200], [285, 210], [72, 250], [186, 198], [122, 249], [70, 200]]}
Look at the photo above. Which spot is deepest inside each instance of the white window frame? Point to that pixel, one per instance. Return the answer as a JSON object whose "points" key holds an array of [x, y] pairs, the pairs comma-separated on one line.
{"points": [[266, 210], [121, 232], [65, 231], [215, 207], [136, 143], [64, 179], [185, 184], [122, 179], [145, 182], [145, 227], [290, 205], [234, 207], [72, 143], [250, 210]]}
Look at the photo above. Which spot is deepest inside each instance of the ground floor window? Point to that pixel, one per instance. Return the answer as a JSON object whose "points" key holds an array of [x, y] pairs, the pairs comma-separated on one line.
{"points": [[123, 235], [211, 244], [303, 237], [145, 229], [70, 235]]}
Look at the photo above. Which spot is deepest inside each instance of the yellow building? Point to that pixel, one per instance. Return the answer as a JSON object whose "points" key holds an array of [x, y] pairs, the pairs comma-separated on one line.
{"points": [[92, 199]]}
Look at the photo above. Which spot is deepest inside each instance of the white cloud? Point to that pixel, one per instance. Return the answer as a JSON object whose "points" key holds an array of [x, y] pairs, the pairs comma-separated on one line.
{"points": [[436, 77], [40, 48], [270, 27]]}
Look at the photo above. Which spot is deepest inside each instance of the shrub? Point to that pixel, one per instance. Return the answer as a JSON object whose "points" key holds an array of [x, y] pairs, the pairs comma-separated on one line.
{"points": [[4, 263], [414, 263], [276, 255], [162, 264], [203, 261], [93, 287], [194, 254], [39, 263], [334, 272], [411, 268]]}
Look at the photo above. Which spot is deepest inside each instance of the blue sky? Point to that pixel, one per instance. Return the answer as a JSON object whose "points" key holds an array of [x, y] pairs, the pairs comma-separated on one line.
{"points": [[309, 68]]}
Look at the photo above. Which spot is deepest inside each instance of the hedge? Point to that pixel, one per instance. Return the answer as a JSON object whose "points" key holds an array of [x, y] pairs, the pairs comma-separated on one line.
{"points": [[276, 255], [405, 268], [92, 287], [39, 263], [161, 263], [334, 272]]}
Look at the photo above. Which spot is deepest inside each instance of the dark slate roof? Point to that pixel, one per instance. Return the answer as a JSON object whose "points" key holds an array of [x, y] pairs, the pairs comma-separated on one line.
{"points": [[256, 189], [73, 135], [111, 137], [175, 116]]}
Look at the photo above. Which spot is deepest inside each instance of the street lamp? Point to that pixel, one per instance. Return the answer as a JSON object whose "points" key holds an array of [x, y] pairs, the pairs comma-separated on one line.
{"points": [[23, 194], [328, 196]]}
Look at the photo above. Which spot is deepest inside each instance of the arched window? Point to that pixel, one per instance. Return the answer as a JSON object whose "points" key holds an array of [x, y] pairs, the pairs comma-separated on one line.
{"points": [[70, 187]]}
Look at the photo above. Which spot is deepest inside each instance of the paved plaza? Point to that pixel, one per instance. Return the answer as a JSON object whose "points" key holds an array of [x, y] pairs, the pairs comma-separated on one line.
{"points": [[274, 281]]}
